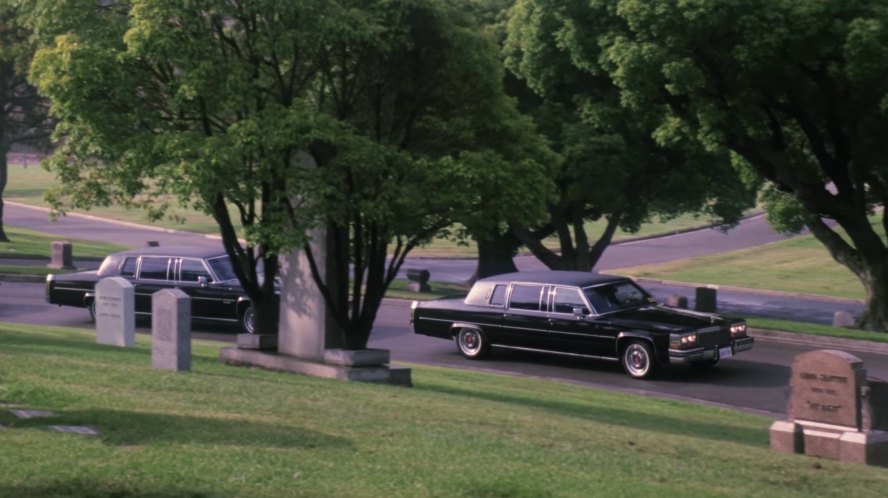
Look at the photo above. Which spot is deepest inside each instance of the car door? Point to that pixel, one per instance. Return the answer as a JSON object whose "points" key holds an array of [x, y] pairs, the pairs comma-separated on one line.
{"points": [[207, 298], [525, 323], [155, 273], [579, 333]]}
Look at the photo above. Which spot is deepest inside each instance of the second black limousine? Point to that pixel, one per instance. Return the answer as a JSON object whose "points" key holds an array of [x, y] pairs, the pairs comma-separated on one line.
{"points": [[580, 314], [204, 274]]}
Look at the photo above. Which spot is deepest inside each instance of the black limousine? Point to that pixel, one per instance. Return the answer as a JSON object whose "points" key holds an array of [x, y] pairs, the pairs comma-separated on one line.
{"points": [[204, 274], [579, 314]]}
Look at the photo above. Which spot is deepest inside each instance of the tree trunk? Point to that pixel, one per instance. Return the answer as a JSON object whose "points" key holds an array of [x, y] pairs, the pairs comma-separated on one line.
{"points": [[495, 255], [4, 177], [867, 259], [875, 281], [265, 318]]}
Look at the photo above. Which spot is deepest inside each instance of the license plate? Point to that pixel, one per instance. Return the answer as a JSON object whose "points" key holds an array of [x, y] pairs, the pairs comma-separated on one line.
{"points": [[725, 353]]}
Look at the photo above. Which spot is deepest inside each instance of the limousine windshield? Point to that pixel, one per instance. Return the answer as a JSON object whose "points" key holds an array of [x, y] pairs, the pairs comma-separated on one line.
{"points": [[616, 296]]}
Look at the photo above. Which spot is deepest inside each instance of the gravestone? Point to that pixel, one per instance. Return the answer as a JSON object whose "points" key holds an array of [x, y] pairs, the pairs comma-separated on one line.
{"points": [[115, 312], [830, 413], [171, 330], [676, 301], [706, 299], [843, 319], [418, 280], [62, 256]]}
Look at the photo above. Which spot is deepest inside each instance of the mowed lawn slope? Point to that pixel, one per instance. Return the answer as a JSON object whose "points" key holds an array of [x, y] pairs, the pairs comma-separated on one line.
{"points": [[229, 431]]}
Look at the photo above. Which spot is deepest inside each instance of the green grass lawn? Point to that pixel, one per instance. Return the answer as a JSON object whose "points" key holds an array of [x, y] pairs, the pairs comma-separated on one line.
{"points": [[26, 185], [799, 264], [26, 243], [229, 431]]}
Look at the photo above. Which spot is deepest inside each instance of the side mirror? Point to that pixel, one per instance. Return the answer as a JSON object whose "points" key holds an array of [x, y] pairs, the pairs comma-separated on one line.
{"points": [[579, 312], [202, 281]]}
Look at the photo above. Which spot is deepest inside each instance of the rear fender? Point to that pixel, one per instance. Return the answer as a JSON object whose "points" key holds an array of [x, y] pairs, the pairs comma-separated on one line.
{"points": [[455, 328]]}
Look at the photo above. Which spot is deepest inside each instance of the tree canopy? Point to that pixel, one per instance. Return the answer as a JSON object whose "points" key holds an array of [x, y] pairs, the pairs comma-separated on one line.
{"points": [[796, 91], [614, 166], [217, 102], [23, 118]]}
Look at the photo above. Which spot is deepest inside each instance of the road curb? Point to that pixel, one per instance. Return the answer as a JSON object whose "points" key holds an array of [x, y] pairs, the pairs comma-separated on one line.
{"points": [[14, 277], [859, 345], [764, 292]]}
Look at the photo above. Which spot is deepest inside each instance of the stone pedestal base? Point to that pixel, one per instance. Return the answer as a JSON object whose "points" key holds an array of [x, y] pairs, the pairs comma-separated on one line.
{"points": [[377, 373], [830, 441], [264, 342]]}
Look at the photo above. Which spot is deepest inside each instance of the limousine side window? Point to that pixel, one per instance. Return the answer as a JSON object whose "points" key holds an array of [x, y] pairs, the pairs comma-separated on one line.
{"points": [[566, 300], [498, 297], [154, 268], [526, 297], [192, 269], [128, 268]]}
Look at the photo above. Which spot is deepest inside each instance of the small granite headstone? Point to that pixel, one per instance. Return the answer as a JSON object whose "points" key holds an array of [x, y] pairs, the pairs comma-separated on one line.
{"points": [[62, 256], [115, 312], [418, 280], [171, 330], [676, 301], [843, 319], [825, 387], [832, 411], [707, 299]]}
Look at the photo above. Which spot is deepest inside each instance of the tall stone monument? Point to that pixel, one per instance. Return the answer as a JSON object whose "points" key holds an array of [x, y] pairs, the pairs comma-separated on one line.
{"points": [[115, 311], [834, 411], [309, 340], [171, 330]]}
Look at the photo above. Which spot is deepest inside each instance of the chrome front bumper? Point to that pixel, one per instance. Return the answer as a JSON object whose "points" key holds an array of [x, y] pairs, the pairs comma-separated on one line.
{"points": [[712, 353]]}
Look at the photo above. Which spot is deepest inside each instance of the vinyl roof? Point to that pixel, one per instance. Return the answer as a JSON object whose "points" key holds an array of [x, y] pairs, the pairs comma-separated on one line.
{"points": [[573, 278]]}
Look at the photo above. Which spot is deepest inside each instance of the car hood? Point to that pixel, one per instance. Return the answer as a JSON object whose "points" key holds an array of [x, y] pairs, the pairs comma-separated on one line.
{"points": [[663, 318]]}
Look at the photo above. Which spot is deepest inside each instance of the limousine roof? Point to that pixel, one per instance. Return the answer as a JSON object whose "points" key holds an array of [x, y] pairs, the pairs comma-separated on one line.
{"points": [[572, 278], [174, 251]]}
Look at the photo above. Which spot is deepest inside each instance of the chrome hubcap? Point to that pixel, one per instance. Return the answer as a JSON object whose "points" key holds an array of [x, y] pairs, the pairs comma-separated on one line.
{"points": [[469, 341], [636, 360]]}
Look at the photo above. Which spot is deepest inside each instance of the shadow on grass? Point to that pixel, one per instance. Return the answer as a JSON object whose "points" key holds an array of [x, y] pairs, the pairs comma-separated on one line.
{"points": [[96, 489], [614, 416], [129, 428]]}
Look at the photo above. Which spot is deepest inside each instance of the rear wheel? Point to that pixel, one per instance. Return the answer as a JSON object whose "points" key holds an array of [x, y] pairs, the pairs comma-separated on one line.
{"points": [[246, 320], [638, 360], [472, 343]]}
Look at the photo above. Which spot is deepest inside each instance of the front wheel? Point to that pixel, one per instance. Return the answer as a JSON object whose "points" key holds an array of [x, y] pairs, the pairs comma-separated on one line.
{"points": [[638, 360], [472, 344], [247, 322]]}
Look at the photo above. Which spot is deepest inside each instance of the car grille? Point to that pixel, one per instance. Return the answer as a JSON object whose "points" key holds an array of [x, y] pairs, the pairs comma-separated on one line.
{"points": [[713, 336]]}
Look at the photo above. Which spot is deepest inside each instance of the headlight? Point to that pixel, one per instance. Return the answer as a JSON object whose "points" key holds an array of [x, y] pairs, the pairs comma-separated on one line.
{"points": [[413, 306], [683, 341], [738, 330]]}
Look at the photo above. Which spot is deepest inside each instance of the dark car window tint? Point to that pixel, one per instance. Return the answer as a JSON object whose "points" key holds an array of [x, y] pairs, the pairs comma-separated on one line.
{"points": [[192, 269], [567, 299], [498, 298], [154, 268], [128, 268], [526, 297]]}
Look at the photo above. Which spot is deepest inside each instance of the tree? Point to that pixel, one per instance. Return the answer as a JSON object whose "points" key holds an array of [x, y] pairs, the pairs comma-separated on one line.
{"points": [[23, 117], [218, 101], [614, 168], [796, 90]]}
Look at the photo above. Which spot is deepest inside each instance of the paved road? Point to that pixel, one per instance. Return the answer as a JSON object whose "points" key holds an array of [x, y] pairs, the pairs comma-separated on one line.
{"points": [[755, 380], [751, 232]]}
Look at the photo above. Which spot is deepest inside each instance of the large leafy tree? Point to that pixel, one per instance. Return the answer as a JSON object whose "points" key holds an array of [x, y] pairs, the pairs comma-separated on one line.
{"points": [[614, 168], [23, 118], [796, 90], [220, 102]]}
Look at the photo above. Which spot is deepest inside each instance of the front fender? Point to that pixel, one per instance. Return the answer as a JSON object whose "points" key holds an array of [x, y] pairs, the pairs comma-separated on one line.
{"points": [[629, 335]]}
